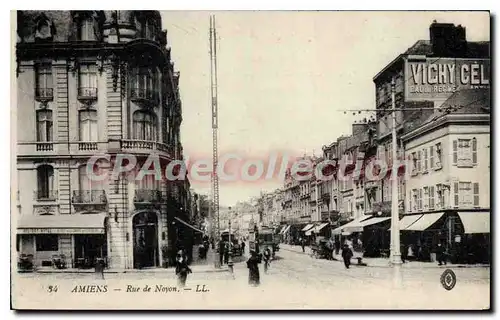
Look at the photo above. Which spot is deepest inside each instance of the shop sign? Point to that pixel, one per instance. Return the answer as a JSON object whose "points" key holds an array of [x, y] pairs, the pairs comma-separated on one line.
{"points": [[60, 231], [438, 78]]}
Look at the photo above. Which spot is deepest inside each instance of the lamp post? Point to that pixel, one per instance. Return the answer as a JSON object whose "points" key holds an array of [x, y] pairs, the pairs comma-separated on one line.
{"points": [[395, 240]]}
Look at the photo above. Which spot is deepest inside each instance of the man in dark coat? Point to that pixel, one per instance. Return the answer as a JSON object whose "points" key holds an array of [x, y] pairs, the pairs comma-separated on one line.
{"points": [[221, 252], [347, 255], [253, 269], [440, 254]]}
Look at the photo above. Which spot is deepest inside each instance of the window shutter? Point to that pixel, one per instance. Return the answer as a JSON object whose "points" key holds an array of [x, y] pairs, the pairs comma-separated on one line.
{"points": [[455, 151], [426, 159], [431, 151], [455, 192], [474, 151], [419, 161], [476, 194], [420, 199]]}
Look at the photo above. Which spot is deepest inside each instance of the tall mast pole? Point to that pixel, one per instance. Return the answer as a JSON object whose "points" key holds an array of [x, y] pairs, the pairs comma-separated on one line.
{"points": [[215, 125]]}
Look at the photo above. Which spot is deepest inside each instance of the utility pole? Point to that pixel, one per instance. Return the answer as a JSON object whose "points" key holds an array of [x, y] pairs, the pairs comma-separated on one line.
{"points": [[395, 240], [215, 126]]}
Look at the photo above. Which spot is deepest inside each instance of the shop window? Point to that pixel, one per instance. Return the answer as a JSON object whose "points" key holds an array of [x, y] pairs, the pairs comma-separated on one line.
{"points": [[47, 242]]}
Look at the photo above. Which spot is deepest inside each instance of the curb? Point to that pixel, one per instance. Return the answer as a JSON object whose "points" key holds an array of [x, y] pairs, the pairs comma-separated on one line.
{"points": [[462, 266], [123, 271]]}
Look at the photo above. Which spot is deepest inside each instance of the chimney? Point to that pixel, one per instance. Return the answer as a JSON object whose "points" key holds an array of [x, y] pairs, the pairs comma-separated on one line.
{"points": [[447, 40]]}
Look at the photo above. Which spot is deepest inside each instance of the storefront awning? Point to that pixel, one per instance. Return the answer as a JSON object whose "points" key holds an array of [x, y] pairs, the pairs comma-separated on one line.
{"points": [[286, 229], [369, 222], [425, 221], [309, 232], [61, 224], [309, 226], [283, 229], [352, 226], [408, 221], [190, 226], [320, 227], [475, 222]]}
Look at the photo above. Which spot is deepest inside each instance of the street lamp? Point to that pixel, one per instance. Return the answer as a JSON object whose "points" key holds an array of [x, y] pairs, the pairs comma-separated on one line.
{"points": [[395, 240]]}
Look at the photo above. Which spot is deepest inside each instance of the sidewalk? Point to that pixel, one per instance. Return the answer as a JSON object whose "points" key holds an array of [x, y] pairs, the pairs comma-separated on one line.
{"points": [[384, 262]]}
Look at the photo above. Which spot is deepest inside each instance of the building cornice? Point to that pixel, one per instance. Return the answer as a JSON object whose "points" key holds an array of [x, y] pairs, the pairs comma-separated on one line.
{"points": [[461, 119]]}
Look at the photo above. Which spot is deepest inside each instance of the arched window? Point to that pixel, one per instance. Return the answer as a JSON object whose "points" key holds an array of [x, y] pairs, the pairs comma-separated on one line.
{"points": [[144, 126], [45, 182], [88, 125], [44, 125]]}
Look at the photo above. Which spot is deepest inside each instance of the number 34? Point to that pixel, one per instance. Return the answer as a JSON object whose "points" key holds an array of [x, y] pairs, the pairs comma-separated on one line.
{"points": [[52, 289]]}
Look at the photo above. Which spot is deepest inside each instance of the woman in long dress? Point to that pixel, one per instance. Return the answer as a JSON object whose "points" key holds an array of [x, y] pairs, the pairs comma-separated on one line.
{"points": [[253, 269], [181, 268]]}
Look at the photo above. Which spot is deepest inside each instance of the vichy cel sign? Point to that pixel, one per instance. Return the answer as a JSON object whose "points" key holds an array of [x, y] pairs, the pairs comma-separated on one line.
{"points": [[439, 78]]}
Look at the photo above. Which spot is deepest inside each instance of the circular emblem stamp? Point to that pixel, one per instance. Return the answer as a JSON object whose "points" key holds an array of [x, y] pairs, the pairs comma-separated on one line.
{"points": [[448, 279]]}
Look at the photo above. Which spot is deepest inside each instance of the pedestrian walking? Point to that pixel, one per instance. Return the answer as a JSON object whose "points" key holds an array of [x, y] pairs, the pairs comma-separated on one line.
{"points": [[253, 269], [226, 252], [337, 246], [243, 246], [267, 258], [181, 268], [404, 253], [303, 244], [221, 252], [347, 255], [441, 254]]}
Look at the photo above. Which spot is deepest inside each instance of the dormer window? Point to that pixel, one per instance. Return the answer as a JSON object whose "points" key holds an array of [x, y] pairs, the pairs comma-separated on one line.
{"points": [[86, 29]]}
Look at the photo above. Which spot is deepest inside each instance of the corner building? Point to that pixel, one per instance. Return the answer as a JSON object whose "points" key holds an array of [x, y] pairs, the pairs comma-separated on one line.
{"points": [[92, 83]]}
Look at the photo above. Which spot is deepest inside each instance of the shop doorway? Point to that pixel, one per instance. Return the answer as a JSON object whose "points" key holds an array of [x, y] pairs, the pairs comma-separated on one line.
{"points": [[88, 248], [145, 229]]}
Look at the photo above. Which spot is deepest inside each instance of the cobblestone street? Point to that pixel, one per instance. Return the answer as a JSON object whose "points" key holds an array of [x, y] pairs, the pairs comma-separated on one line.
{"points": [[293, 280]]}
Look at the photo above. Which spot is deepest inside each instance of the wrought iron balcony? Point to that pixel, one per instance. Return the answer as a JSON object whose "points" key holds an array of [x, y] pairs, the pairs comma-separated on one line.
{"points": [[45, 195], [87, 94], [44, 94], [148, 196], [89, 197], [143, 95]]}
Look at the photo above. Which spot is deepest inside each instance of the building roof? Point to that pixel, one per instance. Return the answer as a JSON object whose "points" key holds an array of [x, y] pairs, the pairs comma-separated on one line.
{"points": [[478, 49]]}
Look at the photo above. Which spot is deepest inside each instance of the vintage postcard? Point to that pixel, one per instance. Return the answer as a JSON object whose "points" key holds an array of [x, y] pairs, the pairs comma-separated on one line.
{"points": [[303, 160]]}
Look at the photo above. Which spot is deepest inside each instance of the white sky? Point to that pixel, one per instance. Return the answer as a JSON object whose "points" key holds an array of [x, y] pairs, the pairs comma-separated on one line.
{"points": [[283, 76]]}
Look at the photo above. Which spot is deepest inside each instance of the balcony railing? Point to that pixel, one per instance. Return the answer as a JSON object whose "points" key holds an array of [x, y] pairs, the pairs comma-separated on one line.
{"points": [[87, 93], [44, 146], [45, 195], [145, 144], [89, 197], [143, 95], [44, 94], [148, 196], [87, 146]]}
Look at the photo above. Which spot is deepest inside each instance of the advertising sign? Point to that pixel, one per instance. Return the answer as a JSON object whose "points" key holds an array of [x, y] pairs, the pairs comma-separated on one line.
{"points": [[60, 231], [438, 78]]}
